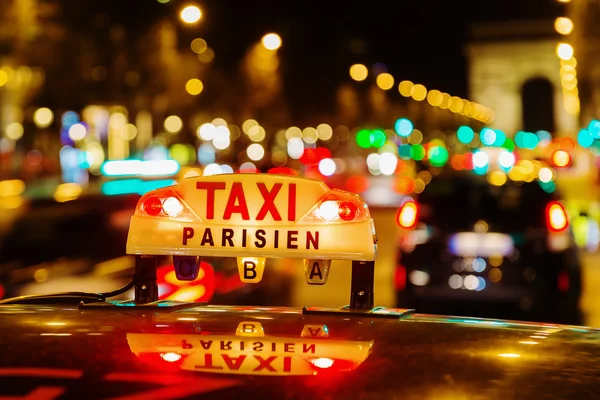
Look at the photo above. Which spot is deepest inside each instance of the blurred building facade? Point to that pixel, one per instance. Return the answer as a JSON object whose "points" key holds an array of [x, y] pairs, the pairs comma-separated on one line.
{"points": [[585, 39], [514, 69]]}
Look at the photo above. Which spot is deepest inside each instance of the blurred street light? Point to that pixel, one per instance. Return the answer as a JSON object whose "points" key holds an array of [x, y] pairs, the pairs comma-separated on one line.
{"points": [[359, 72], [271, 41], [194, 86], [564, 51], [385, 81], [43, 117], [563, 25], [191, 14]]}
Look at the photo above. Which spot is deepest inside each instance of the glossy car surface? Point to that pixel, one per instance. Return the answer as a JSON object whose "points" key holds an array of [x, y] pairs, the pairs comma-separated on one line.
{"points": [[69, 352]]}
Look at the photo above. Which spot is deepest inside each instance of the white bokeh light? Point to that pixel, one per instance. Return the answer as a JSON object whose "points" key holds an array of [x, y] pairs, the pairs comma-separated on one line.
{"points": [[255, 152], [207, 131], [373, 161], [221, 142], [480, 159], [506, 159], [77, 132], [545, 175], [327, 166], [212, 169], [387, 163], [247, 166], [295, 148], [226, 169]]}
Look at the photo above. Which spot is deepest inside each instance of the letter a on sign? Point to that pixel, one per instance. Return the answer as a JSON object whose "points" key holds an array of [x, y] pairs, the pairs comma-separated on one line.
{"points": [[315, 331], [316, 271], [251, 269]]}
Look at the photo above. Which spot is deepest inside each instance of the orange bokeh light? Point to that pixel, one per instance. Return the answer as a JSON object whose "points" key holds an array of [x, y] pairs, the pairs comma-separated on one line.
{"points": [[404, 185]]}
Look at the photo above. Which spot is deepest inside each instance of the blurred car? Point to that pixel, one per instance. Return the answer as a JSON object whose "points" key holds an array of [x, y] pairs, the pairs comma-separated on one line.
{"points": [[80, 245], [475, 249]]}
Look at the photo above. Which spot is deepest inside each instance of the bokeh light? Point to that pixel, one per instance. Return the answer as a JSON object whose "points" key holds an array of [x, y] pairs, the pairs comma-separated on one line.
{"points": [[77, 132], [324, 131], [561, 158], [437, 155], [563, 25], [359, 72], [564, 51], [271, 41], [173, 124], [327, 166], [487, 136], [199, 45], [403, 127], [480, 159], [465, 134], [585, 138], [434, 98], [385, 81], [255, 152], [406, 88], [388, 163], [14, 131], [419, 92], [190, 14], [43, 117], [194, 86], [377, 138], [363, 138]]}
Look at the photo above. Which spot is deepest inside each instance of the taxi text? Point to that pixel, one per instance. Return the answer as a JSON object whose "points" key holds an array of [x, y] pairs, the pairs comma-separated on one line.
{"points": [[237, 204]]}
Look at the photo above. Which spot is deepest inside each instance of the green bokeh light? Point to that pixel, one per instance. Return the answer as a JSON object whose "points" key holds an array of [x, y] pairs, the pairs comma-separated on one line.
{"points": [[377, 138], [363, 138], [509, 144], [438, 156], [417, 152]]}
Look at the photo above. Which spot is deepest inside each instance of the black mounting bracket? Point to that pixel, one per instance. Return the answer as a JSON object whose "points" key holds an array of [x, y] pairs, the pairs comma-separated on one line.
{"points": [[361, 288], [145, 280]]}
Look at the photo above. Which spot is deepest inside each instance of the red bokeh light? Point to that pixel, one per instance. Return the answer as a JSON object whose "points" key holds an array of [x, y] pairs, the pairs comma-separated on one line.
{"points": [[357, 184]]}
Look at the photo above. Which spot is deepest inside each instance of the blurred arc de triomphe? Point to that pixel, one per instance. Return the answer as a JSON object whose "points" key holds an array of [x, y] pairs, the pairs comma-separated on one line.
{"points": [[514, 69]]}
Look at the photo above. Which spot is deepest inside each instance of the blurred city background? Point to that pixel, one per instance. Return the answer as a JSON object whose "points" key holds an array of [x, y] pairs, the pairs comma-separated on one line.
{"points": [[104, 100]]}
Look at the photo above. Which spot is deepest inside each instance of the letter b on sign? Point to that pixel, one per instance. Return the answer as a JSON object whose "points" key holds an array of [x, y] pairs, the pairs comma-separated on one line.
{"points": [[316, 271], [250, 328], [251, 269]]}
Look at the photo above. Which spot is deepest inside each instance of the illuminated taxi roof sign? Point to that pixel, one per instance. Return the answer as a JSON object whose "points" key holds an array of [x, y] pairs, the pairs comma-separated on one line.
{"points": [[260, 215]]}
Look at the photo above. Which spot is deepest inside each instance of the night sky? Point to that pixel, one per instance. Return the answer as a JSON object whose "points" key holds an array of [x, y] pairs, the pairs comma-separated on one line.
{"points": [[419, 40]]}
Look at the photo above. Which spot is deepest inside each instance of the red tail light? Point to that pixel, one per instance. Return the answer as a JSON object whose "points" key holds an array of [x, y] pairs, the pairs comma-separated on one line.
{"points": [[563, 281], [167, 361], [164, 203], [332, 364], [339, 206], [556, 217], [170, 357], [408, 214], [400, 277], [153, 205], [332, 210]]}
